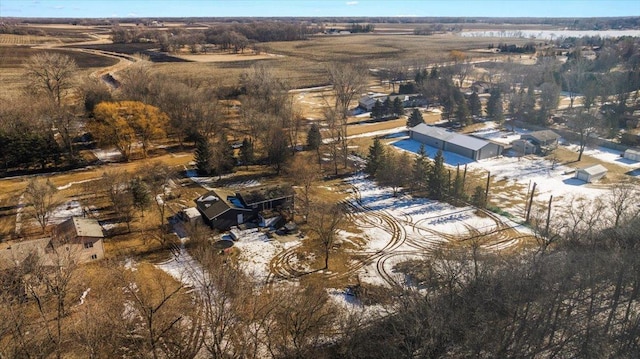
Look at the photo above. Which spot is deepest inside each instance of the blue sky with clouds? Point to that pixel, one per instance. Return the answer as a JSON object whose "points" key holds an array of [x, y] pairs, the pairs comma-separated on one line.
{"points": [[312, 8]]}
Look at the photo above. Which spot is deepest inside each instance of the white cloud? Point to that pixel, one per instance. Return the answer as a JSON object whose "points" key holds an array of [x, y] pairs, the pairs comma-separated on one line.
{"points": [[132, 14], [352, 3], [58, 7]]}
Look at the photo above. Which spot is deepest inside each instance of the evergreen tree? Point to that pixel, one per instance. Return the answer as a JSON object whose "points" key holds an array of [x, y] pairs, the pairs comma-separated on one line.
{"points": [[438, 178], [314, 137], [475, 106], [478, 198], [141, 194], [421, 168], [415, 119], [224, 157], [247, 154], [462, 110], [458, 187], [529, 104], [398, 108], [377, 111], [387, 107], [375, 157], [494, 106], [203, 156]]}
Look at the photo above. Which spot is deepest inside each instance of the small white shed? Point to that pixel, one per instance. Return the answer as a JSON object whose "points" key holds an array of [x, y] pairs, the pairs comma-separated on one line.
{"points": [[591, 173], [191, 215], [632, 154]]}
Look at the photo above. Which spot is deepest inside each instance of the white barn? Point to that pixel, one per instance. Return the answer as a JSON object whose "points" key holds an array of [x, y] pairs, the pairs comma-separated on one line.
{"points": [[632, 154], [591, 173]]}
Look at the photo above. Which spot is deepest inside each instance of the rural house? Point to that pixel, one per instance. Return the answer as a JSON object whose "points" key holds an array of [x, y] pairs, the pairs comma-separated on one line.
{"points": [[591, 173], [632, 154], [223, 209], [410, 100], [542, 141], [464, 145], [82, 238]]}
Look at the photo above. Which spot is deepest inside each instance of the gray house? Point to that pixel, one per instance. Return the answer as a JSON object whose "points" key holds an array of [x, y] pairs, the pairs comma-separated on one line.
{"points": [[223, 209], [542, 141], [467, 146]]}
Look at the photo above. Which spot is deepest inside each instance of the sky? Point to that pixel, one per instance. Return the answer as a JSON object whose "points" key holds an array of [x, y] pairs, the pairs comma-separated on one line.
{"points": [[317, 8]]}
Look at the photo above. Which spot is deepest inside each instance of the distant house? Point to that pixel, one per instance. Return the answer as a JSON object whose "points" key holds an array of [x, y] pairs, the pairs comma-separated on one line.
{"points": [[408, 100], [467, 146], [632, 154], [223, 209], [190, 215], [591, 173], [480, 87], [542, 141], [82, 238]]}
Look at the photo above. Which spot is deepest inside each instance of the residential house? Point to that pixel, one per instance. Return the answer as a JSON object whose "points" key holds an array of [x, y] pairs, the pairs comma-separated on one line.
{"points": [[408, 100], [591, 174], [82, 238], [464, 145], [543, 141], [223, 209]]}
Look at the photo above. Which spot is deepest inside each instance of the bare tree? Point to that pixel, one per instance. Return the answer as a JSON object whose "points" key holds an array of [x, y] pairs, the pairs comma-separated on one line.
{"points": [[40, 194], [585, 124], [325, 220], [304, 174], [52, 73], [623, 203], [348, 80]]}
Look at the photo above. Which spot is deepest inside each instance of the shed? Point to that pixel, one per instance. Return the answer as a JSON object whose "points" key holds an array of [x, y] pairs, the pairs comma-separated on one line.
{"points": [[191, 215], [591, 173], [632, 154]]}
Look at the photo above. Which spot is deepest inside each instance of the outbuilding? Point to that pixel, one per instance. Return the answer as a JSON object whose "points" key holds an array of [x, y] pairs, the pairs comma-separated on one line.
{"points": [[591, 173], [632, 154], [543, 140], [467, 146]]}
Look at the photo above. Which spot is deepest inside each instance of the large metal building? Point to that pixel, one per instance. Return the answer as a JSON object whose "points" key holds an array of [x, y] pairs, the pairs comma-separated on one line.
{"points": [[464, 145]]}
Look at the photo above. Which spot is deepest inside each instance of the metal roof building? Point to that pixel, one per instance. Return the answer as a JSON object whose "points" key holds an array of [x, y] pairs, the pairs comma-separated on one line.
{"points": [[464, 145]]}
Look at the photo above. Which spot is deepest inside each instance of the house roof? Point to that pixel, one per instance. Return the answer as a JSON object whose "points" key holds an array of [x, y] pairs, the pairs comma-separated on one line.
{"points": [[14, 253], [265, 193], [461, 140], [594, 170], [542, 136], [216, 202], [87, 227]]}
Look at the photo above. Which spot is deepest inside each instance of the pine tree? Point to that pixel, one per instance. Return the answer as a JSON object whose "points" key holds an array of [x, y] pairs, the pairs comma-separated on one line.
{"points": [[375, 157], [438, 178], [421, 168], [478, 198], [458, 187], [377, 111], [494, 106], [415, 119], [203, 156], [247, 155], [462, 110], [314, 137], [398, 108], [141, 194], [387, 107], [475, 106], [224, 156]]}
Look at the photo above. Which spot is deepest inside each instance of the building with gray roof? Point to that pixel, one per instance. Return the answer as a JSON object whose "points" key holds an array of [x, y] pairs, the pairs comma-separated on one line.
{"points": [[464, 145]]}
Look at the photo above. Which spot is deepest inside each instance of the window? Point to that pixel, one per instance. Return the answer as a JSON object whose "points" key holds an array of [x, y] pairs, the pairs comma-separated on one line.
{"points": [[95, 256], [88, 245]]}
